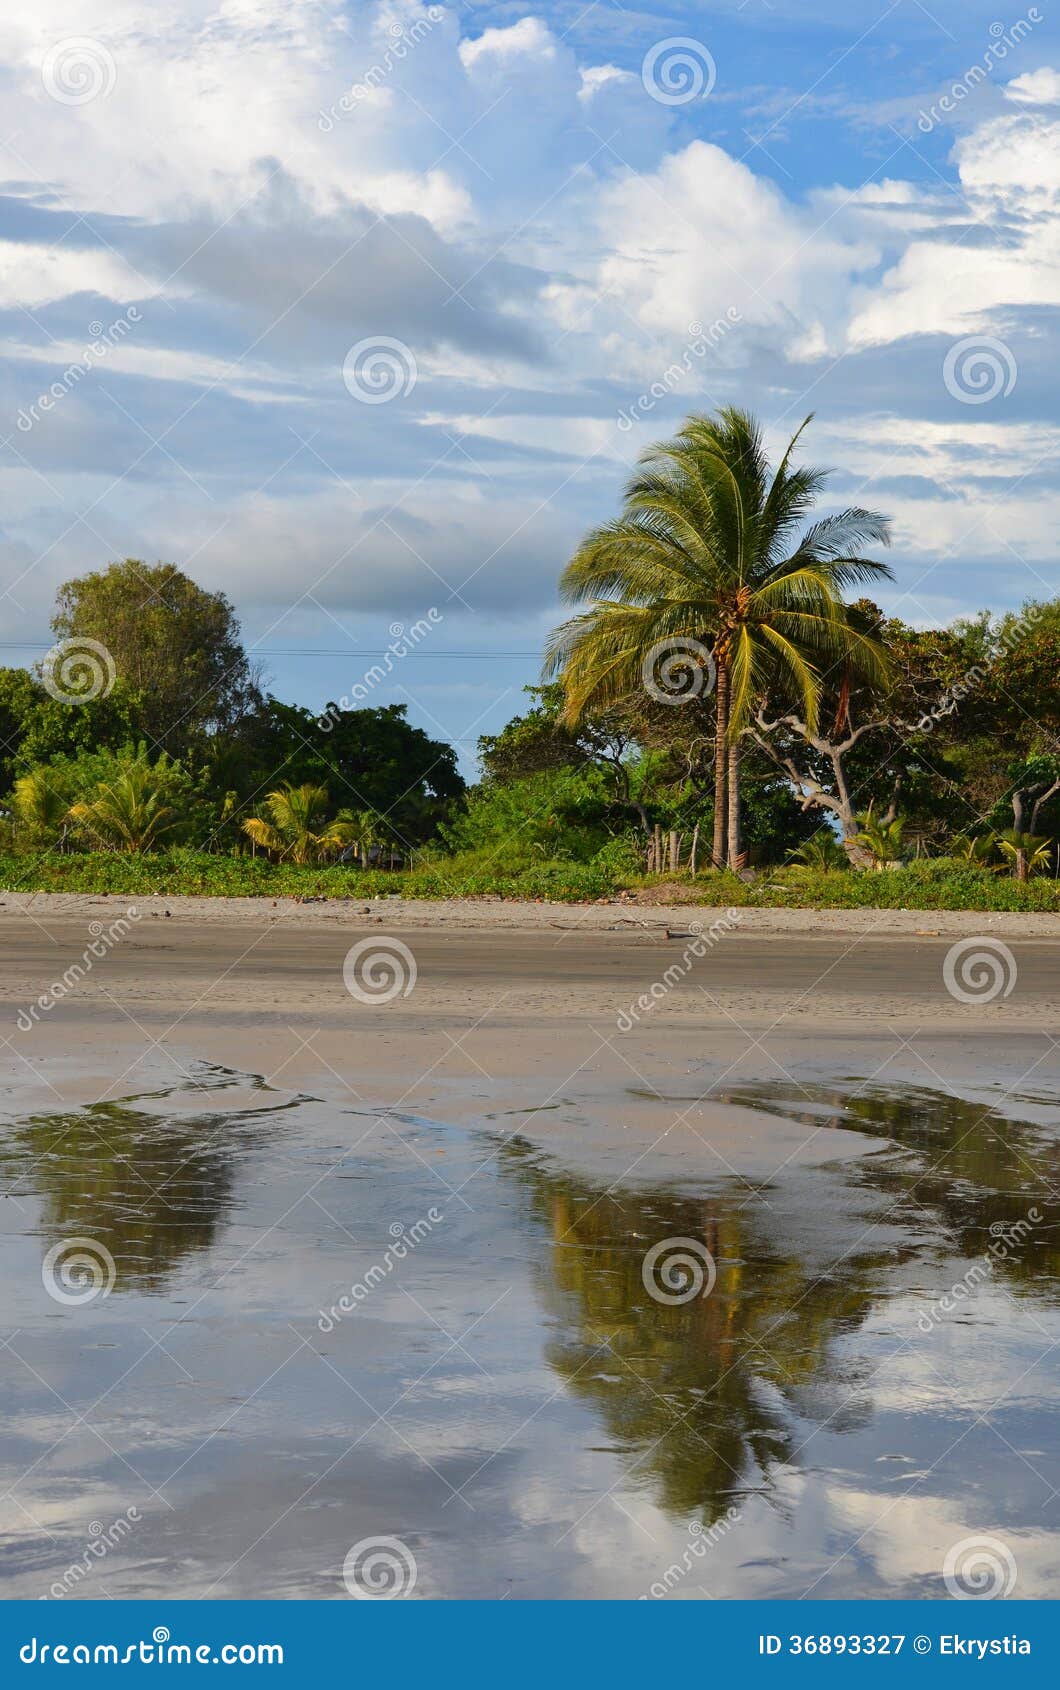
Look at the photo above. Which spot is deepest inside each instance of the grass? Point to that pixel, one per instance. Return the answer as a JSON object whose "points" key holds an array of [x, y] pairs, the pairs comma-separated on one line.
{"points": [[938, 884]]}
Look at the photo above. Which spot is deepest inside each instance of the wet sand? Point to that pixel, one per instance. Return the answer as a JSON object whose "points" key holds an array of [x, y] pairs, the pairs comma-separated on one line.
{"points": [[614, 1039], [222, 1112]]}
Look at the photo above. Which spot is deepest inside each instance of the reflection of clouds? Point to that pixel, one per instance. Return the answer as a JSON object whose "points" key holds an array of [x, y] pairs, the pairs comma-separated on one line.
{"points": [[563, 1502], [908, 1543]]}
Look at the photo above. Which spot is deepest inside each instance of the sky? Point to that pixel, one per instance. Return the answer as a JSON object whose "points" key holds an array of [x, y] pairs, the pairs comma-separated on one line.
{"points": [[363, 313]]}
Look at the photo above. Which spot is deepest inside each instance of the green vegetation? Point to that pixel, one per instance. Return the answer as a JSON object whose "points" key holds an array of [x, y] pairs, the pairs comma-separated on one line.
{"points": [[843, 758]]}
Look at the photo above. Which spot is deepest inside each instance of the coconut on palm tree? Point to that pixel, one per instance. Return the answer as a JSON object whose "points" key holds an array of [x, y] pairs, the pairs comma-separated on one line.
{"points": [[295, 825], [710, 574]]}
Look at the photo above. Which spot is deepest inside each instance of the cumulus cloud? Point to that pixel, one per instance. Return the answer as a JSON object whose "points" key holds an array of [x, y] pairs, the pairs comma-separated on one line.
{"points": [[271, 184]]}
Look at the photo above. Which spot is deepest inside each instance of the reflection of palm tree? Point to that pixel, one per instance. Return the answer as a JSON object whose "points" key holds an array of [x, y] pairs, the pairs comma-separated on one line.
{"points": [[979, 1171], [697, 1395], [693, 1392], [152, 1189]]}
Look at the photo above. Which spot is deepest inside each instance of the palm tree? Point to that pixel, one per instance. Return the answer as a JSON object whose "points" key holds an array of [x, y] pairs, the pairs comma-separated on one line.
{"points": [[40, 802], [881, 838], [1027, 852], [708, 551], [364, 835], [129, 812], [822, 853], [295, 827]]}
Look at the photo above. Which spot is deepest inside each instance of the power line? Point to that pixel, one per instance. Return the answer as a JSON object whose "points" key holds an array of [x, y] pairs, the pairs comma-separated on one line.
{"points": [[311, 651]]}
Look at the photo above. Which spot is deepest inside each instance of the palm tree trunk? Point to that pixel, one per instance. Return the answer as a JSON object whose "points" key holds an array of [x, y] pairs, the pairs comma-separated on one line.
{"points": [[721, 765], [735, 839]]}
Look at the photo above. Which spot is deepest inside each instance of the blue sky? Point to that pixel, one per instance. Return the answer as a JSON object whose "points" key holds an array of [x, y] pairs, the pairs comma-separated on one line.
{"points": [[359, 311]]}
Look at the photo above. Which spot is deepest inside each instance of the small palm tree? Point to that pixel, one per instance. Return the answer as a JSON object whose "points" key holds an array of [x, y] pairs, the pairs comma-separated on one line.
{"points": [[295, 825], [40, 804], [881, 839], [708, 554], [365, 834], [1029, 853], [822, 853], [128, 812], [974, 848]]}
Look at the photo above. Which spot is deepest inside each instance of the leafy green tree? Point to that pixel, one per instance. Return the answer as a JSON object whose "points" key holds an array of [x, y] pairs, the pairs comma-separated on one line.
{"points": [[176, 646], [370, 760], [20, 695], [708, 550]]}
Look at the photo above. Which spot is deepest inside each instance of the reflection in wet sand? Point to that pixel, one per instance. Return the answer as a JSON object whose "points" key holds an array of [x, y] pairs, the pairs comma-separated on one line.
{"points": [[512, 1395], [152, 1187]]}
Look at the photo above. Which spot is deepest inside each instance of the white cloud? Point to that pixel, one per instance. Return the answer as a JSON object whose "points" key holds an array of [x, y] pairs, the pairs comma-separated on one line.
{"points": [[1036, 87]]}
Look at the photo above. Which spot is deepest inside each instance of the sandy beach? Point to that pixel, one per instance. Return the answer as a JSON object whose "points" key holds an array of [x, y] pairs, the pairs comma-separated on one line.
{"points": [[611, 1034]]}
